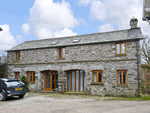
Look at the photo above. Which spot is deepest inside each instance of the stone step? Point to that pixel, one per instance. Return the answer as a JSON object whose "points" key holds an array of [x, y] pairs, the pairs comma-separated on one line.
{"points": [[73, 92], [47, 91]]}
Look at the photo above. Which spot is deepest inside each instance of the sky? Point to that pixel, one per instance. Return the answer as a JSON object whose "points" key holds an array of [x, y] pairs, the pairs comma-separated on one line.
{"points": [[25, 20]]}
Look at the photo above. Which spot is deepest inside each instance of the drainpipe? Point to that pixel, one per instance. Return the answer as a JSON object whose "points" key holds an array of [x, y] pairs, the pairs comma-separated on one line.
{"points": [[138, 67]]}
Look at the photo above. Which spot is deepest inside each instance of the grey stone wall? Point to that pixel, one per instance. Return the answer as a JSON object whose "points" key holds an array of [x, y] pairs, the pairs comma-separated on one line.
{"points": [[74, 53], [85, 57]]}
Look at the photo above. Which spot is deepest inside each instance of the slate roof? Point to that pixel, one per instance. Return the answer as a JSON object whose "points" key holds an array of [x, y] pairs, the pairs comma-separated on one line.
{"points": [[113, 36]]}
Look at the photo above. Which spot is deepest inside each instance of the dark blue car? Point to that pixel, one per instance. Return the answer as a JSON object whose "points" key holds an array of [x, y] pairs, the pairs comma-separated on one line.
{"points": [[11, 87]]}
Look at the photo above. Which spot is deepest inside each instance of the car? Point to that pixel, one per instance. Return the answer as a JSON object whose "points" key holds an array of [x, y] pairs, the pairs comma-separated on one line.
{"points": [[11, 87]]}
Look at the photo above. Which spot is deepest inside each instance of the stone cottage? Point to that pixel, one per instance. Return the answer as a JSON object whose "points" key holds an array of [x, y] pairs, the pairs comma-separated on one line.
{"points": [[98, 64]]}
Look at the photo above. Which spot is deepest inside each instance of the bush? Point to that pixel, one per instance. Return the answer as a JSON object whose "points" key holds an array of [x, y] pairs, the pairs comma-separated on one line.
{"points": [[23, 79]]}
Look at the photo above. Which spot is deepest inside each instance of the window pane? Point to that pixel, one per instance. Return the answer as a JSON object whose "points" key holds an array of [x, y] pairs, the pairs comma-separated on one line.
{"points": [[27, 76], [118, 48], [13, 83], [69, 74], [123, 48], [59, 53], [56, 79], [84, 82], [77, 80], [33, 76], [53, 79], [18, 76], [100, 77], [73, 80], [30, 76], [15, 75], [81, 80], [48, 80], [94, 76], [63, 52], [119, 78], [124, 77]]}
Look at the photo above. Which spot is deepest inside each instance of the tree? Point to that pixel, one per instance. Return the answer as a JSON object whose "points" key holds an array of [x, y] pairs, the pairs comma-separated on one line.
{"points": [[145, 49], [3, 65], [3, 56]]}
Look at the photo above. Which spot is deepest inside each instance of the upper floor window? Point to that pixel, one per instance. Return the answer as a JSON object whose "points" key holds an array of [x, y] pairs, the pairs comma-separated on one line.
{"points": [[121, 48], [17, 75], [17, 55], [122, 77], [61, 53], [97, 76], [30, 76]]}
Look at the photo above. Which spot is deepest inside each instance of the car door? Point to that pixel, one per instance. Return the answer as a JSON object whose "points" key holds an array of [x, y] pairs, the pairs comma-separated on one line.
{"points": [[1, 85]]}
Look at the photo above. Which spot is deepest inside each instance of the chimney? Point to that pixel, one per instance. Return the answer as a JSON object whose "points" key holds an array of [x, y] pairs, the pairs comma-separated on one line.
{"points": [[133, 23]]}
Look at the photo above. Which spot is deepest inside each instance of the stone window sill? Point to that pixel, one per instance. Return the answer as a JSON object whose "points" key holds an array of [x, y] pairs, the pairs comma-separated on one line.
{"points": [[122, 86], [97, 83], [120, 55], [31, 82], [16, 60], [61, 58]]}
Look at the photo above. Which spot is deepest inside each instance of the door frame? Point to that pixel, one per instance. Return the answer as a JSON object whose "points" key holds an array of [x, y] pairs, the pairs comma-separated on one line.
{"points": [[47, 89]]}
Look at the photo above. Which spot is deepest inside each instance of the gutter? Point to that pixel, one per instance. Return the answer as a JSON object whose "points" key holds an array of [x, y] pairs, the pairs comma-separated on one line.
{"points": [[138, 74]]}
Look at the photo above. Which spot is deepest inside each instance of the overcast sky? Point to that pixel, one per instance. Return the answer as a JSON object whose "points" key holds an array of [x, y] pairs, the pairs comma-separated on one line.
{"points": [[24, 20]]}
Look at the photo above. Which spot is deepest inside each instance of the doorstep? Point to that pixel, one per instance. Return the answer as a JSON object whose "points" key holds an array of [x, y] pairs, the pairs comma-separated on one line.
{"points": [[47, 91]]}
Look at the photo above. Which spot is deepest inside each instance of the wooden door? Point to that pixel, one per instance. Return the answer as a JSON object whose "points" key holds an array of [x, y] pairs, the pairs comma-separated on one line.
{"points": [[48, 81]]}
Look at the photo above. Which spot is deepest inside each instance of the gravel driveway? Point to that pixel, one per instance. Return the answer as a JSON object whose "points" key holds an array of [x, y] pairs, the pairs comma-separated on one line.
{"points": [[56, 103]]}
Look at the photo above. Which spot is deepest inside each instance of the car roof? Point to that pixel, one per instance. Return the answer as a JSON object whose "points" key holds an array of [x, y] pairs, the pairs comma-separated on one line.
{"points": [[7, 79]]}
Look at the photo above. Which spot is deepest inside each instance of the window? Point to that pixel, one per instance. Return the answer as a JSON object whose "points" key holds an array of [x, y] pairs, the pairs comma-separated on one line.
{"points": [[121, 48], [77, 40], [61, 53], [1, 83], [97, 76], [30, 76], [17, 75], [17, 55], [122, 78], [76, 80]]}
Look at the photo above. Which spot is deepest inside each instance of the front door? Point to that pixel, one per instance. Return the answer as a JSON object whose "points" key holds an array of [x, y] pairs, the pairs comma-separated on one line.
{"points": [[48, 81]]}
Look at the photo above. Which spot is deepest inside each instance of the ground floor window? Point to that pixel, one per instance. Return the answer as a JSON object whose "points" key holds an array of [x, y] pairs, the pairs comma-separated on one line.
{"points": [[76, 80], [17, 75], [55, 79], [30, 76], [122, 77], [97, 76]]}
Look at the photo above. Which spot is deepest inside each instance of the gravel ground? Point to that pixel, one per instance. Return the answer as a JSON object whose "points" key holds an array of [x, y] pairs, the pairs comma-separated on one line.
{"points": [[56, 103]]}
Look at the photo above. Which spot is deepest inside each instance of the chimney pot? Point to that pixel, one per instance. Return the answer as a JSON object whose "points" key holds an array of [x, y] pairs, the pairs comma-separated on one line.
{"points": [[133, 23]]}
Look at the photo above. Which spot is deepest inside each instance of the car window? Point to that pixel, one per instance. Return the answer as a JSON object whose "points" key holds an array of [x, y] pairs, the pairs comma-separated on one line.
{"points": [[13, 83], [1, 83]]}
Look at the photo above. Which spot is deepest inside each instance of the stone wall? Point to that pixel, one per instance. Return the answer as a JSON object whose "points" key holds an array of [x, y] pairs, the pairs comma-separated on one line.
{"points": [[74, 53], [85, 57]]}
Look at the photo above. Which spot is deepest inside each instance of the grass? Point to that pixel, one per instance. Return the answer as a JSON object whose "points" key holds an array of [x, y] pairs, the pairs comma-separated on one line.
{"points": [[79, 96], [143, 98]]}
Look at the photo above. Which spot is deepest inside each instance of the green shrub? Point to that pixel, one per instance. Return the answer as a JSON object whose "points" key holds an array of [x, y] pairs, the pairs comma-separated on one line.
{"points": [[23, 79], [146, 97]]}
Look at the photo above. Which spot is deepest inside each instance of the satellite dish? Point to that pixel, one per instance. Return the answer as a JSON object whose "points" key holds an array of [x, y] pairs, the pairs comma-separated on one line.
{"points": [[1, 29]]}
